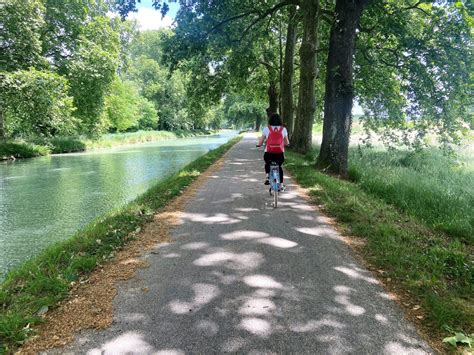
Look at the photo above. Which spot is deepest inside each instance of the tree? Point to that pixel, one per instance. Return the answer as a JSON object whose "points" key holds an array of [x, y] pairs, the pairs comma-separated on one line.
{"points": [[64, 25], [422, 55], [339, 89], [91, 71], [302, 135], [287, 106], [36, 103], [243, 112], [122, 105], [20, 46]]}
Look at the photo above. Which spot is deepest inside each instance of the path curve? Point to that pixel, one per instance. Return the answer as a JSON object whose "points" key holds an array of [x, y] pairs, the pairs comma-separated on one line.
{"points": [[242, 277]]}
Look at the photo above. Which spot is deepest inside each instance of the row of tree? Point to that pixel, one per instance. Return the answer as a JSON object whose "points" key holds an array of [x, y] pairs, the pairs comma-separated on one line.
{"points": [[70, 67], [408, 62]]}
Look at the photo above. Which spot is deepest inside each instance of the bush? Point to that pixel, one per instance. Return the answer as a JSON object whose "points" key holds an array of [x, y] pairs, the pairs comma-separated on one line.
{"points": [[36, 103]]}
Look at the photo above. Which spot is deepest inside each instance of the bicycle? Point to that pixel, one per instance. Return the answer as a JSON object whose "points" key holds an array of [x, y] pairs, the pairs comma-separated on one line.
{"points": [[275, 185]]}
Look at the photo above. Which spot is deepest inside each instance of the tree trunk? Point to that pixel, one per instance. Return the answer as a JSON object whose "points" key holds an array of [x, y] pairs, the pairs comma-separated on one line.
{"points": [[288, 71], [302, 134], [3, 133], [273, 97], [258, 123], [339, 89]]}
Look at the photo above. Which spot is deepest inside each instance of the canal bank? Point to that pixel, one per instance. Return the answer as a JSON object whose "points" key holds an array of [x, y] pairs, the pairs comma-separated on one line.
{"points": [[46, 199], [32, 289], [21, 149]]}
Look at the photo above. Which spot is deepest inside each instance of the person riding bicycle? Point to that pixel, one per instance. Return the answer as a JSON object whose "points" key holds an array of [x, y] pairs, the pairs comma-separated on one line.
{"points": [[276, 137]]}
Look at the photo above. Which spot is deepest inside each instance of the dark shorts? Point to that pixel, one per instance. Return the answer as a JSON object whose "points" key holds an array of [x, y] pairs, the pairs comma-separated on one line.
{"points": [[278, 158]]}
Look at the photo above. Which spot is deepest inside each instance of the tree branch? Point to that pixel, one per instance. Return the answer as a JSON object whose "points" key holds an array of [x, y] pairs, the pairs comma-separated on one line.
{"points": [[268, 12], [415, 7]]}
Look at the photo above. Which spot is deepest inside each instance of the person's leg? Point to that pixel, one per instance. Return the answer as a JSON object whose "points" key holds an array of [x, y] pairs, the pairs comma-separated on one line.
{"points": [[281, 160], [267, 167]]}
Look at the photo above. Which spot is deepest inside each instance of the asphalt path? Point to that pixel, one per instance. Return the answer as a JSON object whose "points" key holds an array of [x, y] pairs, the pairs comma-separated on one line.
{"points": [[242, 277]]}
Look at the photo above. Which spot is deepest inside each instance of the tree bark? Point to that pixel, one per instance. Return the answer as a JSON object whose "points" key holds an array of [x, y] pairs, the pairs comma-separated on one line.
{"points": [[339, 94], [273, 97], [287, 111], [302, 134], [258, 123], [3, 133]]}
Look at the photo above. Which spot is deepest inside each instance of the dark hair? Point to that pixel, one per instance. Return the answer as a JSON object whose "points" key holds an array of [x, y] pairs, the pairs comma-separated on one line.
{"points": [[275, 120]]}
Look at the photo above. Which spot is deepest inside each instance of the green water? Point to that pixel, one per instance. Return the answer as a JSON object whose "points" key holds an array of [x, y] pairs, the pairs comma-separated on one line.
{"points": [[44, 200]]}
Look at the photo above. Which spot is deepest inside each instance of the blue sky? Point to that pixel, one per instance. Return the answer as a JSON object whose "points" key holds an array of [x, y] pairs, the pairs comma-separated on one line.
{"points": [[147, 4], [150, 19]]}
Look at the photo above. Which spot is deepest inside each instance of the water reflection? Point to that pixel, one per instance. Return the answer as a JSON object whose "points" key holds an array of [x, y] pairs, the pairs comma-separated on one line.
{"points": [[44, 200]]}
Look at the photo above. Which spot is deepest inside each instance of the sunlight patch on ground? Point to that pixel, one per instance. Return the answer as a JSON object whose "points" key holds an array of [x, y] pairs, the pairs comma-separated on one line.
{"points": [[278, 242], [256, 326], [203, 294], [262, 281], [127, 343], [231, 260], [244, 234], [355, 274]]}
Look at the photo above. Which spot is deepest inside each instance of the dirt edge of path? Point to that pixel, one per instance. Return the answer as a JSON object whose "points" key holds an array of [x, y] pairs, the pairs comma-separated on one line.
{"points": [[89, 304]]}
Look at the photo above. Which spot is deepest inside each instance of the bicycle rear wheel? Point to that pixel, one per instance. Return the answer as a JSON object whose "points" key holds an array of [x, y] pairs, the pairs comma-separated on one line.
{"points": [[275, 198]]}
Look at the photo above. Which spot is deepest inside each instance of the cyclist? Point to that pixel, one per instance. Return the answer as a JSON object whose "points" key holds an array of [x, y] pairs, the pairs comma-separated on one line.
{"points": [[276, 137]]}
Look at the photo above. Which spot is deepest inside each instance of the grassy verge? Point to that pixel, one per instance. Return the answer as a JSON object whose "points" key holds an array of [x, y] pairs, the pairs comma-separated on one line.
{"points": [[21, 150], [434, 269], [39, 147], [46, 279], [436, 189]]}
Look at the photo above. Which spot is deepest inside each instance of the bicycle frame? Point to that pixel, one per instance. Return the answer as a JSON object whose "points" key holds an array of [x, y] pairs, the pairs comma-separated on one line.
{"points": [[274, 182]]}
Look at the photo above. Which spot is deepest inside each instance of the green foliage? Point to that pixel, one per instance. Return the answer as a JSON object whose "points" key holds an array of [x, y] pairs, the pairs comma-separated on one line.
{"points": [[412, 70], [121, 105], [21, 26], [45, 280], [91, 72], [167, 91], [460, 338], [242, 112], [148, 115], [36, 103]]}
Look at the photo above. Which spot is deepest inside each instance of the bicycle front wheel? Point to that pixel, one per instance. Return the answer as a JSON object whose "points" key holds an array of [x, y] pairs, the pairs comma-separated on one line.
{"points": [[275, 198]]}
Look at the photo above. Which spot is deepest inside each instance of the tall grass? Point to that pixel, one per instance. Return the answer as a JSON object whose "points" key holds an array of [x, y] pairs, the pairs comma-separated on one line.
{"points": [[435, 188], [21, 150]]}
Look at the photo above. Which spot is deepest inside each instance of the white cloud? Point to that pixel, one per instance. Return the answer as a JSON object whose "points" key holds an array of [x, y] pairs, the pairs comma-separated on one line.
{"points": [[150, 19]]}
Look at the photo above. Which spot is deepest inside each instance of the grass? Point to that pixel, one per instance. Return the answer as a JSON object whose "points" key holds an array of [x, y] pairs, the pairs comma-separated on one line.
{"points": [[388, 207], [21, 150], [436, 189], [45, 280]]}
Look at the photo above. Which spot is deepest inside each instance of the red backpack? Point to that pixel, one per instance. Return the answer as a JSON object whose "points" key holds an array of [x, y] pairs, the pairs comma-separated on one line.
{"points": [[275, 143]]}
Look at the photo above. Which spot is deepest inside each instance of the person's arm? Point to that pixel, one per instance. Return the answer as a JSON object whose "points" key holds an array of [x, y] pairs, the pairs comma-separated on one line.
{"points": [[261, 140], [287, 141]]}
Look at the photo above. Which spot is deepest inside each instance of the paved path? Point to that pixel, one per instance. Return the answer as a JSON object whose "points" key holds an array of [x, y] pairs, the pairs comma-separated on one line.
{"points": [[242, 277]]}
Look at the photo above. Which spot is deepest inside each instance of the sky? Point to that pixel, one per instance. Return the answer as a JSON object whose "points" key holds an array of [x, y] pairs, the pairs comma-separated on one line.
{"points": [[150, 19]]}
